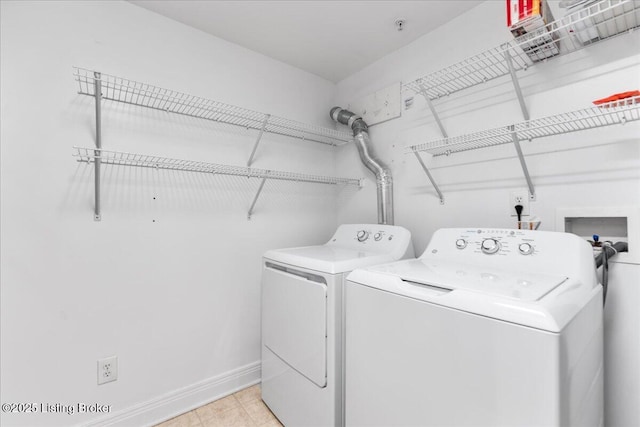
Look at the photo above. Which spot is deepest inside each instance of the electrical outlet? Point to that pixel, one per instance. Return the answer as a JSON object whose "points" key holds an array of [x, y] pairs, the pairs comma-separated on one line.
{"points": [[519, 197], [107, 369]]}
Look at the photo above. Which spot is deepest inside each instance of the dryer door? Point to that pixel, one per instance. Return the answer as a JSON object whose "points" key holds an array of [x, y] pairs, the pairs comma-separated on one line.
{"points": [[294, 319]]}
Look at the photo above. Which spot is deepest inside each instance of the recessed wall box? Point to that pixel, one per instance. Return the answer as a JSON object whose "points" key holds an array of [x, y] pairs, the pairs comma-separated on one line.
{"points": [[610, 223]]}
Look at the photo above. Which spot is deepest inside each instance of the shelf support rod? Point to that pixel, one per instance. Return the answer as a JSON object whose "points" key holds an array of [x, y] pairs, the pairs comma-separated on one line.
{"points": [[97, 87], [255, 146], [523, 163], [516, 84], [424, 167], [255, 199], [443, 131], [423, 92]]}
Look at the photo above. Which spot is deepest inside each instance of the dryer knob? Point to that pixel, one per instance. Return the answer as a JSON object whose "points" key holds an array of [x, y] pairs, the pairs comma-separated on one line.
{"points": [[377, 236], [362, 235], [461, 243], [490, 246]]}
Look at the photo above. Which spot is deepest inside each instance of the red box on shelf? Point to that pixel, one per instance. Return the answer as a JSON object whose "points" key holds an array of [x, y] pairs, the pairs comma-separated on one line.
{"points": [[519, 10], [525, 16], [527, 19]]}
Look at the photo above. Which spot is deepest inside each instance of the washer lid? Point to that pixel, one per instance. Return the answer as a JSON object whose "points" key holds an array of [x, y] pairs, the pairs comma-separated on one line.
{"points": [[328, 259], [521, 286], [535, 300]]}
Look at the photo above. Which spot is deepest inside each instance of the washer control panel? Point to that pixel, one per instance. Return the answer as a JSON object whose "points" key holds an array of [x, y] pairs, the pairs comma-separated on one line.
{"points": [[518, 259], [499, 242]]}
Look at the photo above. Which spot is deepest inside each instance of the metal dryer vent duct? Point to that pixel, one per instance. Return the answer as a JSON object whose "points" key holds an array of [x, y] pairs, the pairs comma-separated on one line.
{"points": [[384, 180]]}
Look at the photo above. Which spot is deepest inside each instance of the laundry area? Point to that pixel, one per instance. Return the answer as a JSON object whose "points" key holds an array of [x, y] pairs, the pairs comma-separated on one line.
{"points": [[312, 213]]}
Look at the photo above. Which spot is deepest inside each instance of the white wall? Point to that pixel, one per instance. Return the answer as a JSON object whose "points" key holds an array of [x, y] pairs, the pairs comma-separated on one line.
{"points": [[169, 280], [585, 169]]}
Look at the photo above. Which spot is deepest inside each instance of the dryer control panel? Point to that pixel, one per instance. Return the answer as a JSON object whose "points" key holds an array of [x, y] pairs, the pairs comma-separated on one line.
{"points": [[371, 237]]}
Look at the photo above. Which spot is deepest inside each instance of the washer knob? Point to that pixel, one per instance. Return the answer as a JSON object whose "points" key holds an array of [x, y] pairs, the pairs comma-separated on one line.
{"points": [[461, 243], [525, 248], [362, 235], [490, 246], [377, 236]]}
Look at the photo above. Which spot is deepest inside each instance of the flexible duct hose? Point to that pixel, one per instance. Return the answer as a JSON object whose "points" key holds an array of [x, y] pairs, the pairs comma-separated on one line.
{"points": [[384, 179]]}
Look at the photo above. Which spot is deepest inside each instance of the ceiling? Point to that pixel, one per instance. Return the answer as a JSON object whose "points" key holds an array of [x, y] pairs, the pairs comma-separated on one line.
{"points": [[332, 39]]}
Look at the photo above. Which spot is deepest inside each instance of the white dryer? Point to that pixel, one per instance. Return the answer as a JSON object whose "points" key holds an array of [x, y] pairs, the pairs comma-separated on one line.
{"points": [[486, 328], [302, 318]]}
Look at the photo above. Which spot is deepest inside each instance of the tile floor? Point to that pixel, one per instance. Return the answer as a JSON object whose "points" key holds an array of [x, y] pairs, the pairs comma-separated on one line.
{"points": [[241, 409]]}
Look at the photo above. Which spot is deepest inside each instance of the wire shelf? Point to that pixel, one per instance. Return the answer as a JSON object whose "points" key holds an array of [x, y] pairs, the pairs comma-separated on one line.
{"points": [[612, 113], [584, 27], [89, 155], [145, 95]]}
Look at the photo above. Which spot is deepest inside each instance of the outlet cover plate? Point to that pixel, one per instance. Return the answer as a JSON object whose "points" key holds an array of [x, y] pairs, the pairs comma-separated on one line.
{"points": [[107, 370]]}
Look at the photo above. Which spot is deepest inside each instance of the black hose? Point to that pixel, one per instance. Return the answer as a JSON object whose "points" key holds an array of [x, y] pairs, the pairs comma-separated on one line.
{"points": [[608, 250], [612, 249], [605, 274]]}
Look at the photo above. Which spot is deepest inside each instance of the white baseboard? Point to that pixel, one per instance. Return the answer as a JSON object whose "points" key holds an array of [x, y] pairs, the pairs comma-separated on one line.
{"points": [[177, 402]]}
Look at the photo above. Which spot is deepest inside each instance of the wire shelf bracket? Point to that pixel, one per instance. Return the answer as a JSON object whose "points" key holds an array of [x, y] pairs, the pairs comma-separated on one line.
{"points": [[423, 92], [108, 157], [523, 163], [426, 171], [525, 114], [98, 100], [516, 84], [443, 131], [255, 146], [255, 199]]}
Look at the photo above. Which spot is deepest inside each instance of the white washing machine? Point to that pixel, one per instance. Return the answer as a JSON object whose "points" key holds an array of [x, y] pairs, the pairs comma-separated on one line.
{"points": [[302, 318], [486, 328]]}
